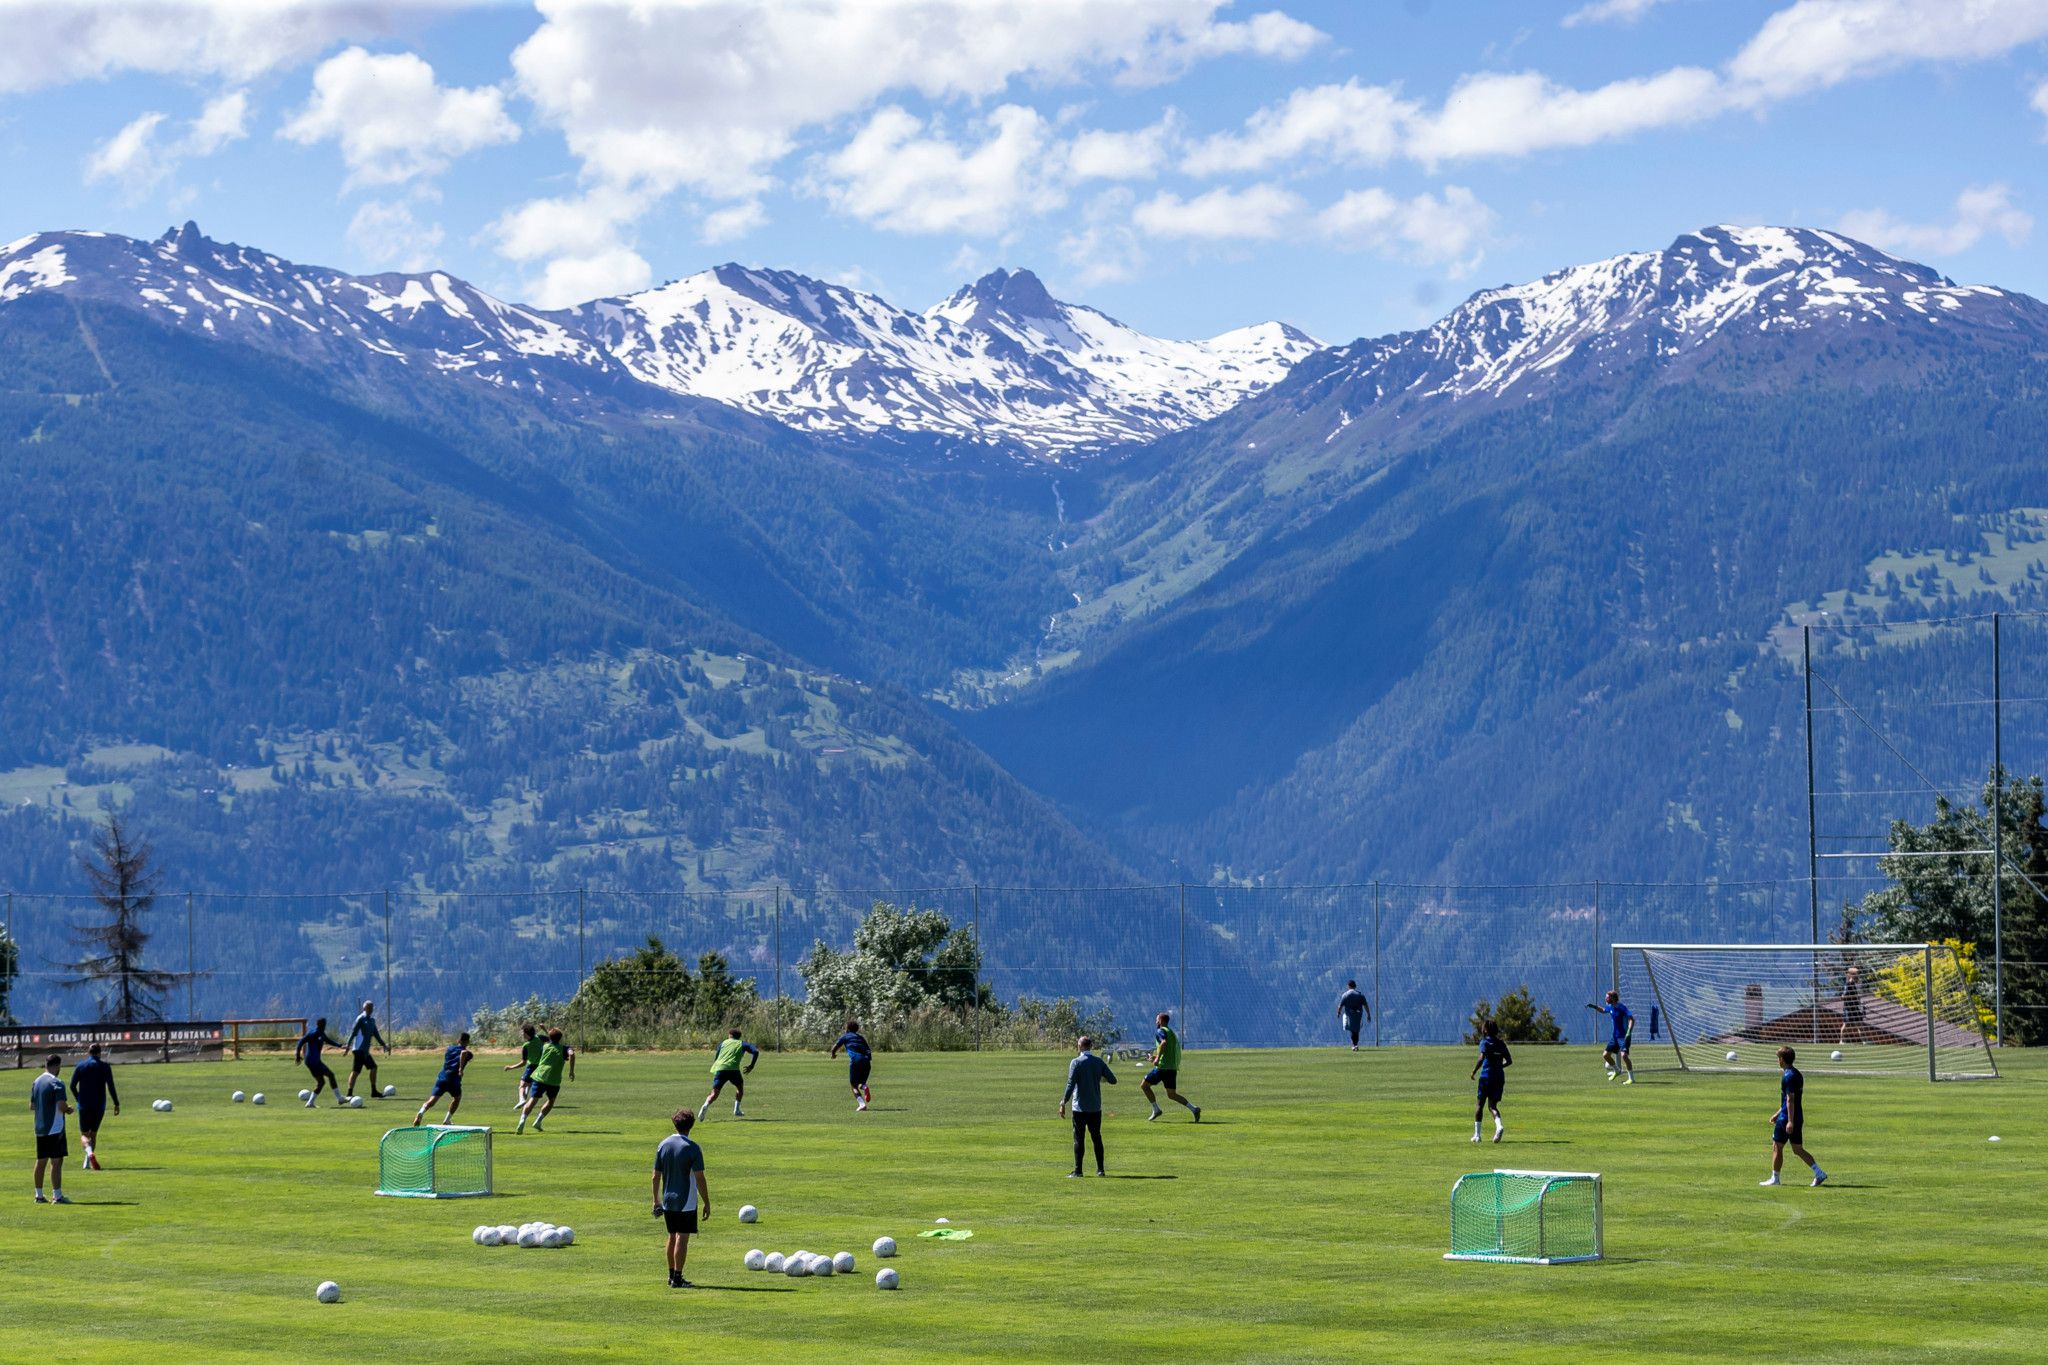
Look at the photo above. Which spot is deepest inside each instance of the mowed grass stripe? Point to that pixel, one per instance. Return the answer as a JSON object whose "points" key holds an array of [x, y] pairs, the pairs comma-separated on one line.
{"points": [[1304, 1219]]}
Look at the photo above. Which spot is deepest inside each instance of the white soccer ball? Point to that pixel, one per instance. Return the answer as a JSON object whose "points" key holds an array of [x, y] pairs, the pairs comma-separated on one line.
{"points": [[507, 1235], [489, 1237], [305, 1095], [328, 1292], [773, 1262], [162, 1106], [477, 1234], [554, 1237], [885, 1246], [389, 1091], [568, 1236], [355, 1101], [1731, 1056], [886, 1278], [822, 1266], [843, 1263], [794, 1267], [256, 1098], [237, 1097], [529, 1236], [756, 1259], [1992, 1138], [1835, 1056], [748, 1213]]}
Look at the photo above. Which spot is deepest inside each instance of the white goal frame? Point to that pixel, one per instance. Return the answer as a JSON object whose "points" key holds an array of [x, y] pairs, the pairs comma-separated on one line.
{"points": [[1951, 1046]]}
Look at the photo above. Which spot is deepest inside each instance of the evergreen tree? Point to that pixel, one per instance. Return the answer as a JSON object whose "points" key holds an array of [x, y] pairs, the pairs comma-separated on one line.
{"points": [[124, 884]]}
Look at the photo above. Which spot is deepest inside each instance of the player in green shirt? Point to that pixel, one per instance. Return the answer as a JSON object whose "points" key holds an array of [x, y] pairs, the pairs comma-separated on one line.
{"points": [[1166, 1069], [547, 1079], [725, 1070], [529, 1057]]}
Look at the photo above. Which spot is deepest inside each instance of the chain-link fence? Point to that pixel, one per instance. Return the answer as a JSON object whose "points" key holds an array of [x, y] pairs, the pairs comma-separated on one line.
{"points": [[1249, 966]]}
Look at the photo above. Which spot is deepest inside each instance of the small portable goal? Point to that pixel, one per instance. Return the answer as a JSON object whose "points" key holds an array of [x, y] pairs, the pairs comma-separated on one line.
{"points": [[435, 1161], [1526, 1217]]}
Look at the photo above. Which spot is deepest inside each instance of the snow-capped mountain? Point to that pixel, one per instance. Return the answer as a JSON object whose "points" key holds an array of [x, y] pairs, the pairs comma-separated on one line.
{"points": [[1000, 362], [999, 365], [1670, 310]]}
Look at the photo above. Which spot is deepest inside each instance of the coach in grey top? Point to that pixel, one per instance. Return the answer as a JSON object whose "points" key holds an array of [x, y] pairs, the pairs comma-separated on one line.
{"points": [[1085, 1075], [46, 1099]]}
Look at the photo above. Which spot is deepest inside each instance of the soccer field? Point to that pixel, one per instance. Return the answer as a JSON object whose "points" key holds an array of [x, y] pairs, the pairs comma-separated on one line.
{"points": [[1303, 1219]]}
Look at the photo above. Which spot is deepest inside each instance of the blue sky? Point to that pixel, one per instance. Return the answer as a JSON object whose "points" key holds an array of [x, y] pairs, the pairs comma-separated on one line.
{"points": [[1187, 165]]}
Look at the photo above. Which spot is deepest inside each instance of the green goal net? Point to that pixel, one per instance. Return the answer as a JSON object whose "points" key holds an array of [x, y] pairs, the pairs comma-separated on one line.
{"points": [[434, 1162], [1532, 1217]]}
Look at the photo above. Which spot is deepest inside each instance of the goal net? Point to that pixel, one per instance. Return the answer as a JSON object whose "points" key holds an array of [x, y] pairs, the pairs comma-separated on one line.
{"points": [[1534, 1217], [436, 1161], [1881, 1009]]}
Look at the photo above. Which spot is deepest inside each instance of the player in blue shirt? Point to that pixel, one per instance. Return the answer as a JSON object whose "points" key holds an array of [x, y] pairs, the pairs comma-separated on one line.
{"points": [[1788, 1125], [308, 1051], [1621, 1029], [453, 1062], [859, 1059], [1492, 1071], [46, 1101], [92, 1084]]}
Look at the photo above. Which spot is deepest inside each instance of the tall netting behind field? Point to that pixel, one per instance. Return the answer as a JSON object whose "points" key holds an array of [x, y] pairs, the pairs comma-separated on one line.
{"points": [[1442, 948], [739, 926], [1845, 1009], [452, 953], [45, 930], [271, 956], [1265, 965], [1114, 954]]}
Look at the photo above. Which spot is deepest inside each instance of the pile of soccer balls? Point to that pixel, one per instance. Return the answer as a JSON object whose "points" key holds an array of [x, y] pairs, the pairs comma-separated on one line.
{"points": [[525, 1235], [799, 1264]]}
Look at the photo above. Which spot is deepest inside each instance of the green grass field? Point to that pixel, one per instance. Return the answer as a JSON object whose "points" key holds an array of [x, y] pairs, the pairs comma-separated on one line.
{"points": [[1303, 1219]]}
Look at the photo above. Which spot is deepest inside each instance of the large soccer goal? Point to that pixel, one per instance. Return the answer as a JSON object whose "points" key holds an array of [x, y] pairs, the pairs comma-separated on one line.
{"points": [[434, 1161], [1884, 1009], [1532, 1217]]}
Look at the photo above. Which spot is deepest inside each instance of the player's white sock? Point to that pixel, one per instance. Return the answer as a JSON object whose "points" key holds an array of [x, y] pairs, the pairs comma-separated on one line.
{"points": [[520, 1127], [1475, 1132], [1819, 1176], [736, 1109], [1156, 1110], [1772, 1181]]}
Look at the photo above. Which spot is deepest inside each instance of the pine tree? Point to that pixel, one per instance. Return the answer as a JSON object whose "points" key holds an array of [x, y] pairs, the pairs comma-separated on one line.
{"points": [[124, 883]]}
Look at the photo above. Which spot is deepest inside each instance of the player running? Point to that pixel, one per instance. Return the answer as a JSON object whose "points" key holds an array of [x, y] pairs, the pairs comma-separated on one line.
{"points": [[1492, 1071], [680, 1194], [46, 1101], [529, 1057], [92, 1085], [308, 1051], [1165, 1063], [1085, 1075], [725, 1070], [1789, 1123], [547, 1079], [454, 1062], [1621, 1030], [1350, 1006], [859, 1059], [362, 1035]]}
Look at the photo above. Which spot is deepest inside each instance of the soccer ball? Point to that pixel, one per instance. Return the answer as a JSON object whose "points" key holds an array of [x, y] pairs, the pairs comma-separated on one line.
{"points": [[256, 1098], [328, 1292], [389, 1091], [355, 1101], [507, 1235], [529, 1236], [885, 1246], [554, 1237], [237, 1097], [477, 1234], [773, 1263], [488, 1237], [794, 1267], [886, 1278], [1835, 1056], [1731, 1056], [162, 1106], [843, 1263], [756, 1259], [305, 1095], [748, 1213], [568, 1236], [822, 1265]]}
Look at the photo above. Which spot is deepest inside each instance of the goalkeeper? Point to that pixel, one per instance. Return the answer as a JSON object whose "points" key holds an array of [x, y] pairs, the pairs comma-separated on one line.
{"points": [[1621, 1029]]}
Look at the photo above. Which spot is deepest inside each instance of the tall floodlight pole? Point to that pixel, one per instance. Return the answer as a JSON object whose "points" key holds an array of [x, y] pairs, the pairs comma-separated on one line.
{"points": [[1997, 835], [1812, 838]]}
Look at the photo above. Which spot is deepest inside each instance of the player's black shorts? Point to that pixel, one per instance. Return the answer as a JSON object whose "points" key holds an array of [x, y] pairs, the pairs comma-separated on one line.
{"points": [[364, 1060], [1784, 1132], [725, 1078], [857, 1070], [89, 1120], [1491, 1088], [319, 1069], [680, 1220], [50, 1146], [1159, 1075], [544, 1090], [445, 1086]]}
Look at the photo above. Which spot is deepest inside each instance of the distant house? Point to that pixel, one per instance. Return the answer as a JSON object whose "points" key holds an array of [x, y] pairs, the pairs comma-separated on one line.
{"points": [[1862, 1018]]}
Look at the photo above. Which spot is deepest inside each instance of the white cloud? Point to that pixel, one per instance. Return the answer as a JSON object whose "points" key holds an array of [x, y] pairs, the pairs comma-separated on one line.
{"points": [[734, 221], [1133, 155], [1254, 212], [1610, 11], [234, 40], [1503, 114], [387, 236], [1814, 44], [392, 121], [2039, 103], [140, 160], [1980, 211], [895, 174], [1335, 123], [1105, 248], [581, 239], [601, 274], [1450, 230]]}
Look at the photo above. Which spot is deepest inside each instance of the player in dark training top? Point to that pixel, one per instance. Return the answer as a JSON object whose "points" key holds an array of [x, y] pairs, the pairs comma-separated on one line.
{"points": [[1788, 1125], [1492, 1071], [1352, 1011], [92, 1085], [454, 1062], [308, 1051], [859, 1060], [1621, 1030]]}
